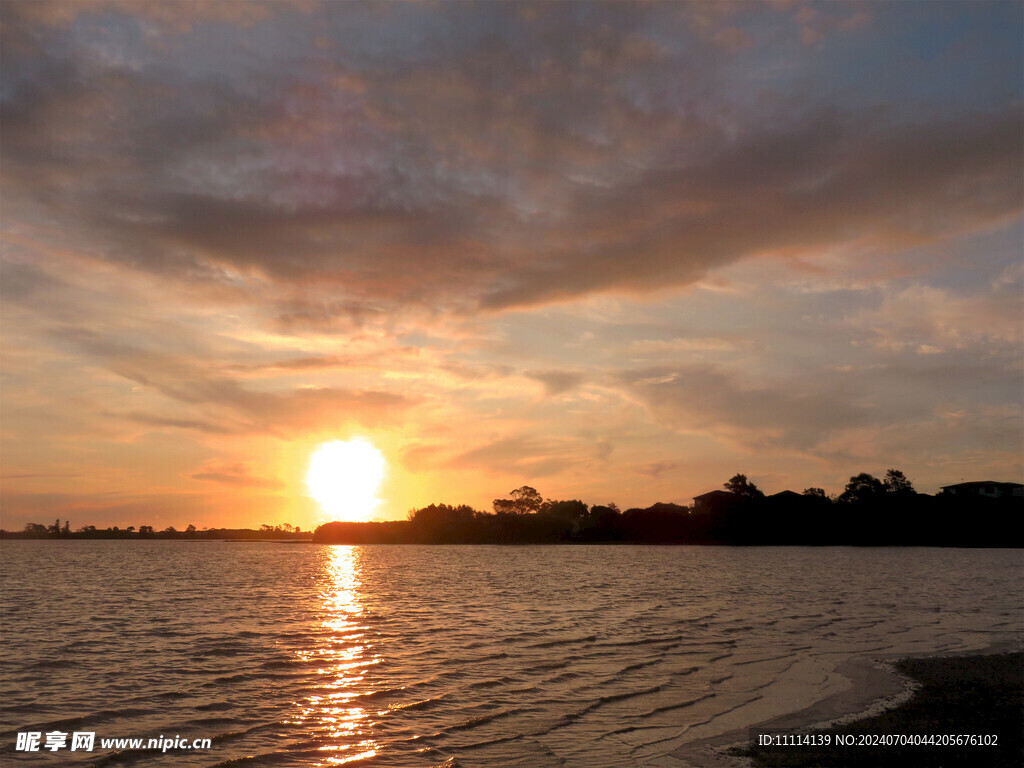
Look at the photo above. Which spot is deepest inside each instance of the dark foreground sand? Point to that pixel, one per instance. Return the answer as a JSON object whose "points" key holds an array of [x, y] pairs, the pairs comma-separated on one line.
{"points": [[980, 695]]}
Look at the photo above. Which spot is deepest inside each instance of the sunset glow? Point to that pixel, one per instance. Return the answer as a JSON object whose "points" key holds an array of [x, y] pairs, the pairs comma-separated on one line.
{"points": [[344, 477], [610, 250]]}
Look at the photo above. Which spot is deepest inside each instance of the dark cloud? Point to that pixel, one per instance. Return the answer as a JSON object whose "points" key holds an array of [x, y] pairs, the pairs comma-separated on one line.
{"points": [[235, 474], [26, 476], [234, 409], [210, 401], [472, 373], [657, 468], [557, 382], [153, 420], [759, 416], [286, 365], [525, 457], [819, 185], [505, 157], [899, 393], [25, 283]]}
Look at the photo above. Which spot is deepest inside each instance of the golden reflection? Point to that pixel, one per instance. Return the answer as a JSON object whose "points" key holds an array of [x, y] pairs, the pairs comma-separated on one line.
{"points": [[333, 713]]}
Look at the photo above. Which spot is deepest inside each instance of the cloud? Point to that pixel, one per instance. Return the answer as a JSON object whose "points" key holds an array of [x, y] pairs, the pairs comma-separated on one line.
{"points": [[947, 445], [472, 169], [216, 403], [757, 417], [234, 474], [557, 382], [528, 457], [234, 409], [818, 185], [891, 396], [645, 347], [924, 319], [199, 425]]}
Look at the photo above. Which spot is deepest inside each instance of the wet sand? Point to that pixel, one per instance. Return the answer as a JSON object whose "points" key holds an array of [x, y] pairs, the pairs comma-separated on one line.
{"points": [[981, 687]]}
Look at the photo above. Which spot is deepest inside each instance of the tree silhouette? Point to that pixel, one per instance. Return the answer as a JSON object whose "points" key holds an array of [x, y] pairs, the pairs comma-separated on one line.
{"points": [[570, 509], [442, 514], [739, 485], [897, 482], [524, 501], [862, 488], [503, 507]]}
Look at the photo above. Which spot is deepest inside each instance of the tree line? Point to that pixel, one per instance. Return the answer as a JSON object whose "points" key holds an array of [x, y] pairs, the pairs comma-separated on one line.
{"points": [[869, 511], [284, 531]]}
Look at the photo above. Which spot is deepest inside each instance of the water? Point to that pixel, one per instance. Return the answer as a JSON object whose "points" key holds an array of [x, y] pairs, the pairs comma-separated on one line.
{"points": [[408, 656]]}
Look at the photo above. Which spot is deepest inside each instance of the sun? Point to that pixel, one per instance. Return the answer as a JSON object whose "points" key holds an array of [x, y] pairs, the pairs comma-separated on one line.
{"points": [[344, 476]]}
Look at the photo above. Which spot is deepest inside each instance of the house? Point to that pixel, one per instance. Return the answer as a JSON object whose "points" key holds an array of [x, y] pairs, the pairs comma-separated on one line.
{"points": [[986, 488], [713, 501], [788, 497]]}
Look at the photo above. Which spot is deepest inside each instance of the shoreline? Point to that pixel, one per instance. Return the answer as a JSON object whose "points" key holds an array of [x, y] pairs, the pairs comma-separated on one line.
{"points": [[875, 687]]}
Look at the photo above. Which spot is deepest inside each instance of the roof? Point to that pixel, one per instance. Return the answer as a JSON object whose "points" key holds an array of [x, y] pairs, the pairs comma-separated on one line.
{"points": [[976, 483], [714, 495], [786, 495]]}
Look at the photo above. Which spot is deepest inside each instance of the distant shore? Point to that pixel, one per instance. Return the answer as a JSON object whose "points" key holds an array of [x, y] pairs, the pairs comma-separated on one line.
{"points": [[964, 695], [878, 514]]}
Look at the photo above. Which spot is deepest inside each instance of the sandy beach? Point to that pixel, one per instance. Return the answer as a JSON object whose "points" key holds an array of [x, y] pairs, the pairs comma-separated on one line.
{"points": [[888, 696]]}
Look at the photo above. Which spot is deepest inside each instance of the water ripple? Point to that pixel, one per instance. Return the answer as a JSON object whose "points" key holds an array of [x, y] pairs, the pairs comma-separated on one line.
{"points": [[460, 657]]}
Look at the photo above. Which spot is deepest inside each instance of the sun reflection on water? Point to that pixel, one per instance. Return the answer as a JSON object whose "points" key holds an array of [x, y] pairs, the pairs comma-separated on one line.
{"points": [[344, 656]]}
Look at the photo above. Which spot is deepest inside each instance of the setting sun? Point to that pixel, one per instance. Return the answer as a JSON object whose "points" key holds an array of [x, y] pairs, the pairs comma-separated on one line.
{"points": [[344, 476]]}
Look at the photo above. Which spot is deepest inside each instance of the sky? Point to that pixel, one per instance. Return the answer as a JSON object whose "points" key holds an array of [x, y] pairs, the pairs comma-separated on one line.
{"points": [[614, 251]]}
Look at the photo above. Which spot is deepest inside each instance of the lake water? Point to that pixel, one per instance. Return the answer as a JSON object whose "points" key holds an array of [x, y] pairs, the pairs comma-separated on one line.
{"points": [[408, 656]]}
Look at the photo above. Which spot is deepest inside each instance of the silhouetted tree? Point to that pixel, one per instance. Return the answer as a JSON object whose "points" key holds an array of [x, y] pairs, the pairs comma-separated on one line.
{"points": [[897, 482], [572, 509], [524, 501], [145, 530], [599, 511], [445, 524], [816, 492], [437, 514], [862, 488], [603, 523], [739, 485], [503, 506]]}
